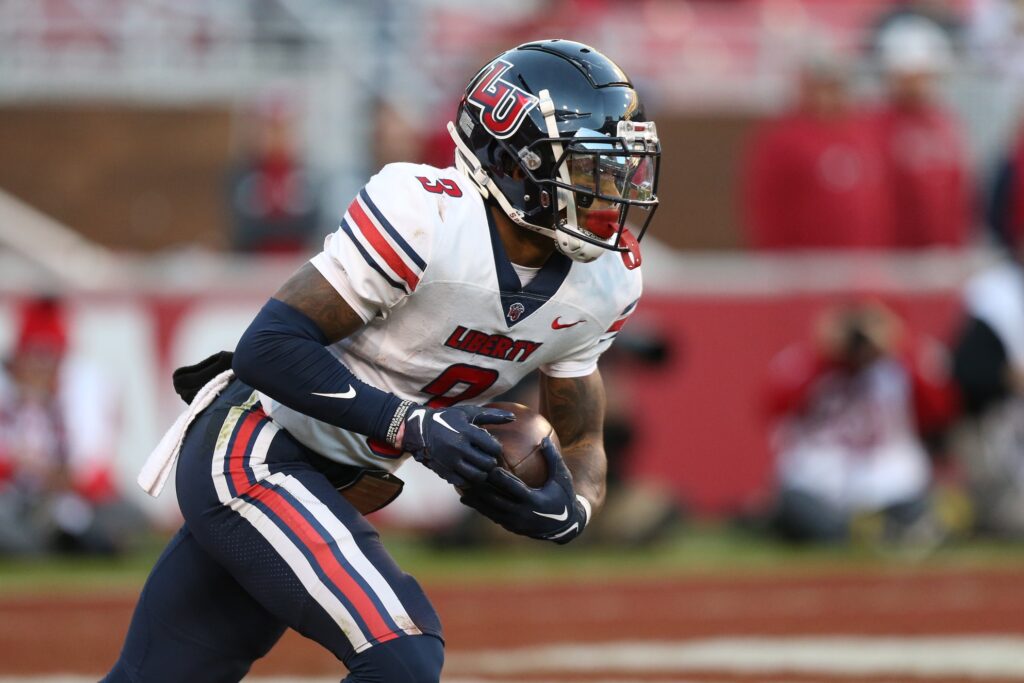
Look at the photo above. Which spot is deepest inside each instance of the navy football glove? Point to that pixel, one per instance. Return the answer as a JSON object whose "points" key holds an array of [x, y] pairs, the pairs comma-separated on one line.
{"points": [[448, 441], [552, 512]]}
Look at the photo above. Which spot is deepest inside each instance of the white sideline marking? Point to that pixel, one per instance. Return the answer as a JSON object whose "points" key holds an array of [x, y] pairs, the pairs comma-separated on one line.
{"points": [[977, 656]]}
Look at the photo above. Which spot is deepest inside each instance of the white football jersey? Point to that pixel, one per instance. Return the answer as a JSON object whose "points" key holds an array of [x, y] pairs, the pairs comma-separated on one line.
{"points": [[447, 320]]}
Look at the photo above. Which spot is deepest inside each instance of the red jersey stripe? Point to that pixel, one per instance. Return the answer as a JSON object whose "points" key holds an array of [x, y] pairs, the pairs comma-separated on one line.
{"points": [[381, 245], [617, 325]]}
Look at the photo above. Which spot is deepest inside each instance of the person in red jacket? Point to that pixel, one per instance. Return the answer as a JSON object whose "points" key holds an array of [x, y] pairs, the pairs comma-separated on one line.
{"points": [[926, 167], [273, 195], [812, 178], [58, 435], [851, 410]]}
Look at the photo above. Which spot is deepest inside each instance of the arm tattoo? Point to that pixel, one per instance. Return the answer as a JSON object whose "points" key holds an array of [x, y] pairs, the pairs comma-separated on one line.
{"points": [[575, 408], [308, 291]]}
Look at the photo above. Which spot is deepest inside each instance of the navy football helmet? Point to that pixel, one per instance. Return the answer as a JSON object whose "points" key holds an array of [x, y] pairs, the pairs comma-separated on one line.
{"points": [[555, 134]]}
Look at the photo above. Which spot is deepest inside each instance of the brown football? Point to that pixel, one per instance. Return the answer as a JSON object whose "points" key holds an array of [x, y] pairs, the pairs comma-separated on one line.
{"points": [[520, 443]]}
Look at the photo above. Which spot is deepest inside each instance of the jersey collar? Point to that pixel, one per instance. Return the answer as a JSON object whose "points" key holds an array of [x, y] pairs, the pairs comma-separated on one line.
{"points": [[518, 302]]}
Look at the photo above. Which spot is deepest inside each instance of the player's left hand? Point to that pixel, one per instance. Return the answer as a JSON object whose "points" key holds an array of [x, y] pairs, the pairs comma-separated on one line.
{"points": [[552, 512], [450, 442]]}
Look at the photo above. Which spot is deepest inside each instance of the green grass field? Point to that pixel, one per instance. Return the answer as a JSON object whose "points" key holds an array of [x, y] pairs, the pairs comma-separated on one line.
{"points": [[704, 549]]}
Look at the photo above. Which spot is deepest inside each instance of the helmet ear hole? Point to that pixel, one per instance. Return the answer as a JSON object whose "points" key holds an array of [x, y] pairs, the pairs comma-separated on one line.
{"points": [[509, 166], [584, 201]]}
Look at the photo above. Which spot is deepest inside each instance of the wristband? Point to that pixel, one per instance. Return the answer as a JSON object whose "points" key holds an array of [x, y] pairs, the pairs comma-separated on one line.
{"points": [[395, 428], [587, 509]]}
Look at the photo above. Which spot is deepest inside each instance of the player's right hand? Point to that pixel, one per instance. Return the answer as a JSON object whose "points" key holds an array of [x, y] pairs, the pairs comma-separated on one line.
{"points": [[448, 441], [552, 512]]}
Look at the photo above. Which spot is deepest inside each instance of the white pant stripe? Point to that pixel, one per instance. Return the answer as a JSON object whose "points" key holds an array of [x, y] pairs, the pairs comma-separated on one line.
{"points": [[303, 570], [349, 550], [220, 453], [258, 457]]}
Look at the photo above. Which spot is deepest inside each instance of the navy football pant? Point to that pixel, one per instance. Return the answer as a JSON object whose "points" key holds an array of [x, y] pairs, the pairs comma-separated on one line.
{"points": [[269, 543]]}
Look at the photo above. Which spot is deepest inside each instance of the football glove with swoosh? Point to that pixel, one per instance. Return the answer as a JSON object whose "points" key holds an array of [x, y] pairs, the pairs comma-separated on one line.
{"points": [[449, 442], [553, 512]]}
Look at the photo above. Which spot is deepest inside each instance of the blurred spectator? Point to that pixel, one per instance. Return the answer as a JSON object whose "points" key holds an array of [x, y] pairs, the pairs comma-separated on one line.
{"points": [[58, 432], [813, 177], [926, 166], [851, 409], [940, 12], [996, 36], [1005, 214], [989, 370], [273, 202]]}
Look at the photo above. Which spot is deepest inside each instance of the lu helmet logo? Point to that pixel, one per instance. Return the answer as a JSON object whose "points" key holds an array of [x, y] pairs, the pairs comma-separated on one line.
{"points": [[502, 105]]}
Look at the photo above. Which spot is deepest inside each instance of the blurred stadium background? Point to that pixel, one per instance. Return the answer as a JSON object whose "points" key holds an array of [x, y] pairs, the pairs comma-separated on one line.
{"points": [[127, 129]]}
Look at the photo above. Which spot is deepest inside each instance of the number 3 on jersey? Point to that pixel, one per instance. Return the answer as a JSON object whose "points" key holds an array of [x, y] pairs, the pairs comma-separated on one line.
{"points": [[440, 186]]}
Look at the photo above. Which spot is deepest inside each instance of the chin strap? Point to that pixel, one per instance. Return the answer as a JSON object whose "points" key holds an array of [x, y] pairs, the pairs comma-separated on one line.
{"points": [[565, 199]]}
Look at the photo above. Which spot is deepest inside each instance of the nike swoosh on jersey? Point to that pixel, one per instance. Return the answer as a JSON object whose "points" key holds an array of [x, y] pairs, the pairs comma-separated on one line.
{"points": [[555, 325], [351, 393], [564, 515]]}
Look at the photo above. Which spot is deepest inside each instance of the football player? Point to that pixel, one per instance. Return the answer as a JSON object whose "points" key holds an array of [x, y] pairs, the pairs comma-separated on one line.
{"points": [[441, 289]]}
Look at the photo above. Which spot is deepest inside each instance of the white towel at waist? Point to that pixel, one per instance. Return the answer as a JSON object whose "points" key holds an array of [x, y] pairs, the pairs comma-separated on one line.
{"points": [[161, 461]]}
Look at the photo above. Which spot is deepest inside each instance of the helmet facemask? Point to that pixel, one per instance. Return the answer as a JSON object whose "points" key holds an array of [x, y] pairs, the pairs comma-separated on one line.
{"points": [[603, 184]]}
